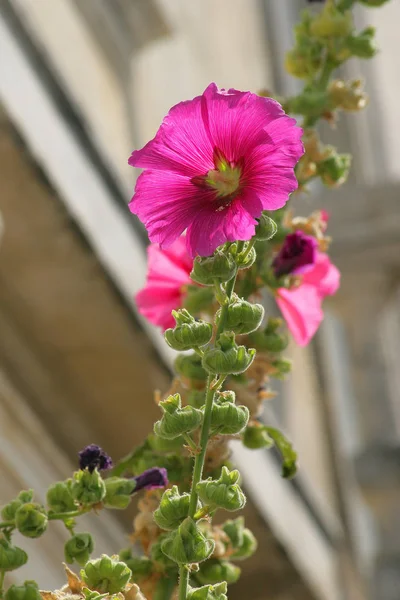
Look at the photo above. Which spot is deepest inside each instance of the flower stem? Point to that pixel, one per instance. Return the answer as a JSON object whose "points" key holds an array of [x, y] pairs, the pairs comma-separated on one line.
{"points": [[68, 515], [6, 524], [2, 575], [183, 582]]}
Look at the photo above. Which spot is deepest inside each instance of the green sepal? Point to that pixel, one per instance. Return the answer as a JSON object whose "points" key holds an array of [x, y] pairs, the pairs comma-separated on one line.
{"points": [[242, 539], [285, 448], [88, 488], [209, 592], [255, 436], [187, 544], [227, 358], [226, 417], [209, 270], [118, 492], [248, 547], [8, 510], [106, 575], [28, 591], [177, 420], [31, 520], [224, 492], [266, 228], [173, 509], [11, 557], [59, 497], [244, 259], [188, 333], [79, 548], [363, 45], [241, 316], [190, 366], [214, 571]]}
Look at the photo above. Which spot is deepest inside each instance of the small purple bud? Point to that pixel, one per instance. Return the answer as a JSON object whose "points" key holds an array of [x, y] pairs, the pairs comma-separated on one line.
{"points": [[151, 479], [297, 255], [93, 457]]}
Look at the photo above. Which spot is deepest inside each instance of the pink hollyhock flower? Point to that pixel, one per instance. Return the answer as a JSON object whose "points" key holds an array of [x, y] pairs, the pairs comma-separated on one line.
{"points": [[302, 306], [215, 164], [297, 254], [168, 274]]}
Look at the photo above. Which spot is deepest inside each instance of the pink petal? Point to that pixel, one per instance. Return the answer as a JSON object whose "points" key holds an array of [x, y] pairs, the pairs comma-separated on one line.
{"points": [[301, 309], [181, 143], [164, 268], [156, 304], [324, 276]]}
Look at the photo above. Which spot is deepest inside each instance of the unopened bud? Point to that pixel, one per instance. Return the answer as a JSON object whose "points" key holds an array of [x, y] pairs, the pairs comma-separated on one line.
{"points": [[331, 23], [256, 437], [177, 420], [227, 357], [198, 299], [28, 591], [209, 270], [335, 169], [363, 45], [8, 511], [59, 497], [141, 566], [266, 228], [226, 417], [79, 548], [118, 492], [247, 547], [11, 557], [187, 544], [209, 592], [190, 366], [88, 487], [224, 492], [310, 103], [31, 520], [158, 557], [106, 575], [241, 316], [188, 333], [173, 509], [214, 571], [270, 339]]}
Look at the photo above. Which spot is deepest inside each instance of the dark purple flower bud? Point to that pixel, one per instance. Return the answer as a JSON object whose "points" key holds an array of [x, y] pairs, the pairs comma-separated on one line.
{"points": [[93, 457], [151, 479], [297, 255]]}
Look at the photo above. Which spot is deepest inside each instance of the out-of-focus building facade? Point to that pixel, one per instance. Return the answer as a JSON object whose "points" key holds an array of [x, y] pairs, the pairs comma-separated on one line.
{"points": [[82, 83]]}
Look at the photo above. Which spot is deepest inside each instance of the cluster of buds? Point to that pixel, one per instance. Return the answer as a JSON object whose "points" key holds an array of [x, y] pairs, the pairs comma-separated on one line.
{"points": [[322, 161]]}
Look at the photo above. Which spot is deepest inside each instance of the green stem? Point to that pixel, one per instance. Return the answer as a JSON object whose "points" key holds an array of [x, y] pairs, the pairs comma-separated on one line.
{"points": [[224, 310], [68, 515], [2, 575], [7, 524], [249, 248], [183, 582], [190, 442]]}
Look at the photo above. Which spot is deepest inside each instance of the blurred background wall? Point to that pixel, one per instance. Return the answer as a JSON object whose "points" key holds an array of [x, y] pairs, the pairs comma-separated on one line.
{"points": [[82, 83]]}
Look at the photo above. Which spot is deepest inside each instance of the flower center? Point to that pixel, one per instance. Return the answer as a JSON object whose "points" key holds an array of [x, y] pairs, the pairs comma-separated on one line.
{"points": [[225, 179]]}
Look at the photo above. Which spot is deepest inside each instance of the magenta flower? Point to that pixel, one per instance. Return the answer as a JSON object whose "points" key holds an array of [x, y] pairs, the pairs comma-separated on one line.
{"points": [[302, 306], [215, 164], [167, 278], [297, 254]]}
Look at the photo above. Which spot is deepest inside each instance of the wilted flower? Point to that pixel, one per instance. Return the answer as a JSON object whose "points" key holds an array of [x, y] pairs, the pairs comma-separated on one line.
{"points": [[297, 255], [167, 276], [151, 479], [215, 164], [93, 457]]}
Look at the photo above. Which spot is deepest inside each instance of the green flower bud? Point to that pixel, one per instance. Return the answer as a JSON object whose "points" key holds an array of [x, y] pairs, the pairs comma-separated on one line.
{"points": [[282, 366], [330, 23], [269, 339], [31, 520], [256, 437], [247, 548], [177, 420], [373, 3], [299, 64], [214, 571], [8, 511], [196, 398], [158, 557], [188, 333], [209, 270], [28, 591], [198, 299], [224, 492], [228, 358], [226, 417], [266, 228], [335, 169], [209, 592], [234, 530], [190, 366], [173, 509], [11, 557], [118, 492], [162, 445], [88, 488], [141, 566], [310, 103], [59, 497], [79, 548], [106, 575], [187, 544], [285, 448], [245, 260], [242, 316], [363, 45]]}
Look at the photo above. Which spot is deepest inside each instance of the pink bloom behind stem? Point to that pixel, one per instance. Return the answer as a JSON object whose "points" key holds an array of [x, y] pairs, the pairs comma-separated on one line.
{"points": [[215, 164], [302, 306], [167, 275]]}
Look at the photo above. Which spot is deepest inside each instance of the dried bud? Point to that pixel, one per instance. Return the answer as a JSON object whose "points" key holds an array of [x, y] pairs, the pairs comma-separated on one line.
{"points": [[226, 417], [214, 571], [347, 96], [28, 591], [173, 509], [209, 592], [118, 492], [177, 420], [31, 520], [59, 497], [88, 487], [266, 228], [335, 169], [93, 457], [187, 544], [190, 366], [363, 45], [106, 575], [331, 23], [255, 437], [224, 492], [79, 548], [228, 358], [8, 511], [242, 316], [210, 270], [11, 557], [188, 333]]}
